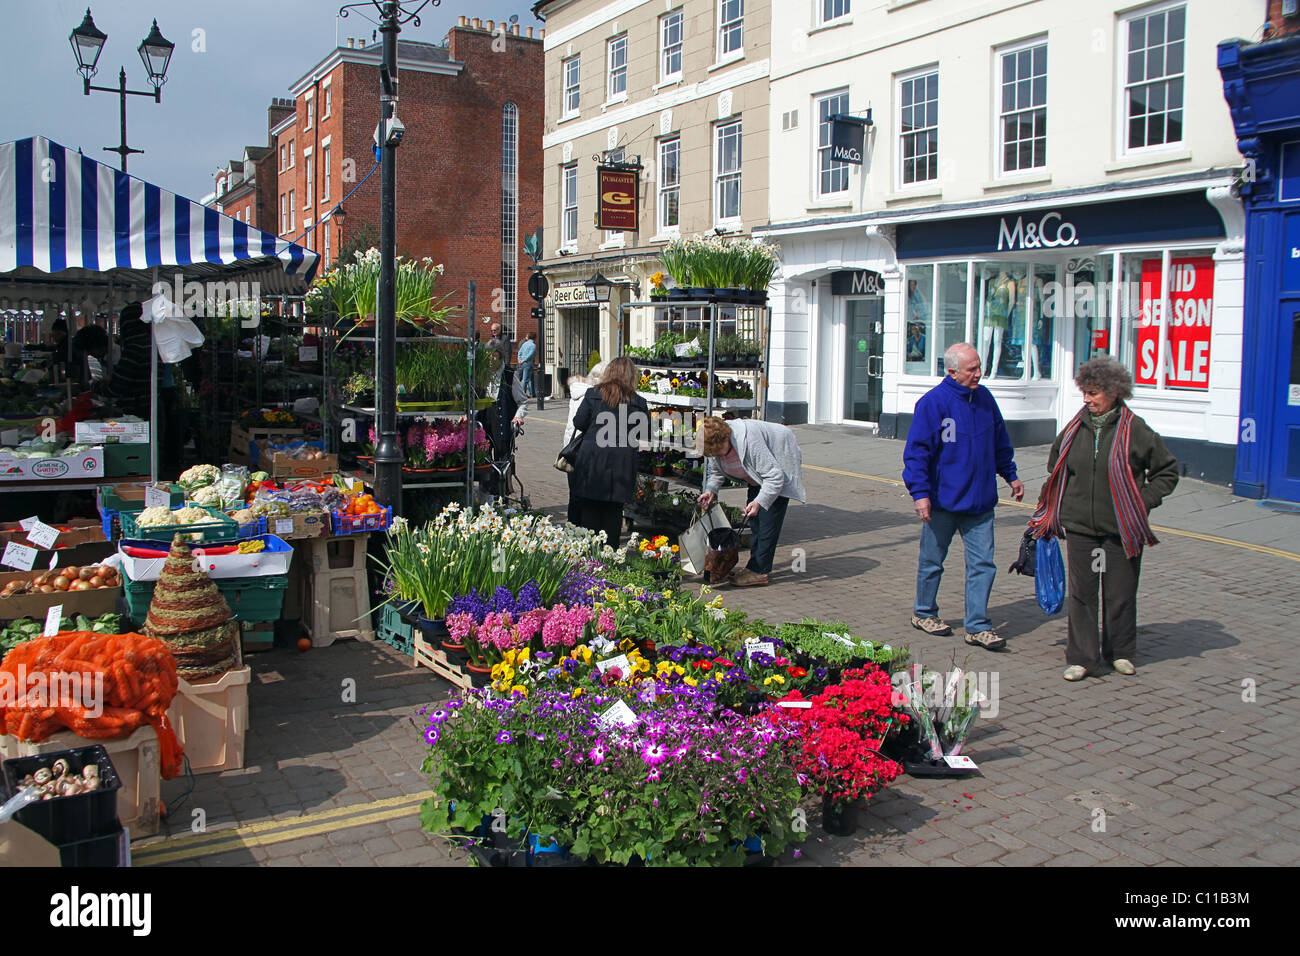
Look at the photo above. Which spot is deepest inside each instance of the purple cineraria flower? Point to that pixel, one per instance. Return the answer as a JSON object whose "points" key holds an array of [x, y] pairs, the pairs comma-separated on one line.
{"points": [[431, 735], [597, 754], [505, 737], [654, 753], [455, 704], [440, 715], [652, 776]]}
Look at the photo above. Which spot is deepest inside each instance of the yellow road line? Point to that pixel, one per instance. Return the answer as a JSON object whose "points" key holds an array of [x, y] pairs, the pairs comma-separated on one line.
{"points": [[276, 831], [1211, 538]]}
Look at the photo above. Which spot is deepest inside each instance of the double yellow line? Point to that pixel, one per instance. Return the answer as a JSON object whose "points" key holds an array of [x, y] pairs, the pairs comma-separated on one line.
{"points": [[275, 831]]}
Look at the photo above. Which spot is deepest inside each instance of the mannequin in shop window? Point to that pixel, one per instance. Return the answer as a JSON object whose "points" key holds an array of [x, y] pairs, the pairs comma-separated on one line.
{"points": [[1001, 305], [918, 320], [1029, 357]]}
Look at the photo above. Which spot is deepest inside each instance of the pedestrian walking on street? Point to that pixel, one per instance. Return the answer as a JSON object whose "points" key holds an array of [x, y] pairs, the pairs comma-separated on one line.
{"points": [[527, 355], [956, 449], [767, 458], [1106, 471], [613, 420]]}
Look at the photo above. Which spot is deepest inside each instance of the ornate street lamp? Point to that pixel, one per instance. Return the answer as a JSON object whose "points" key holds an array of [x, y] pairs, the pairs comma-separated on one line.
{"points": [[155, 51], [600, 288]]}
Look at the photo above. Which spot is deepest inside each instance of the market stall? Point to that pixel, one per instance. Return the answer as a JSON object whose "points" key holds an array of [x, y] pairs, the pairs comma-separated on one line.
{"points": [[80, 239]]}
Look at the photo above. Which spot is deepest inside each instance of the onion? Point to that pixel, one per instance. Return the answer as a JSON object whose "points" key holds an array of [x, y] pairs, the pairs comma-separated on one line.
{"points": [[70, 572], [79, 585], [97, 581], [43, 578], [47, 589], [61, 583], [87, 573]]}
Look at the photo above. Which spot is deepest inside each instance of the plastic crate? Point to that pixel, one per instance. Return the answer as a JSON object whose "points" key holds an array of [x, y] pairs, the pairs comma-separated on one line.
{"points": [[123, 460], [220, 528], [66, 820], [110, 850], [257, 636], [211, 719], [404, 645], [110, 500], [252, 529], [356, 524], [251, 599]]}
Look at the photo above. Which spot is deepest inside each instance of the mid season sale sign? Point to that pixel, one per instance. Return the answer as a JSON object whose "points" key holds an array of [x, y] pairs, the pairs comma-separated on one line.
{"points": [[1191, 304]]}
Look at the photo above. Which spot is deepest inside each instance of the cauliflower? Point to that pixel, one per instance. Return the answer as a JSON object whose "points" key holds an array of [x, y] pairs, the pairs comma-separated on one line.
{"points": [[155, 518], [199, 476], [190, 516], [209, 496]]}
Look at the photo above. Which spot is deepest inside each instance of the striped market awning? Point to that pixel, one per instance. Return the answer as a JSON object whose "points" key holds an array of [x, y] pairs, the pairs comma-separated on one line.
{"points": [[67, 220]]}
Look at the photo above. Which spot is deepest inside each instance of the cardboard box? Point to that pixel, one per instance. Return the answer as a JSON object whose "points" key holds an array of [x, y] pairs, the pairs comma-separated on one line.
{"points": [[89, 464], [90, 603], [306, 524], [83, 544], [242, 439], [98, 433], [282, 465]]}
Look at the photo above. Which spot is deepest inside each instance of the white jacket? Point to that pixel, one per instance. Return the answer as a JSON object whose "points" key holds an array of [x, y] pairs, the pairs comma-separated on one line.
{"points": [[577, 389], [770, 456]]}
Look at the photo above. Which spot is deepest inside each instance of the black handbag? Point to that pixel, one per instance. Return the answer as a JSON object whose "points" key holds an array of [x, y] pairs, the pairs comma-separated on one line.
{"points": [[1027, 560], [723, 553], [568, 455]]}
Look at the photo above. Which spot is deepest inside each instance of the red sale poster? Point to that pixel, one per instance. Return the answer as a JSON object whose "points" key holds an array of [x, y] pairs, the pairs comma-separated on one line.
{"points": [[1191, 305]]}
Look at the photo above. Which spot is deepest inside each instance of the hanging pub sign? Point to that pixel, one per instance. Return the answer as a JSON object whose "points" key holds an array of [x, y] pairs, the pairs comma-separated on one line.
{"points": [[848, 139], [618, 188], [857, 282]]}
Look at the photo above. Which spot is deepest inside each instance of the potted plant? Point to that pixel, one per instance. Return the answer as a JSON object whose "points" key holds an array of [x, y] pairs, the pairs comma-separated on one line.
{"points": [[358, 388]]}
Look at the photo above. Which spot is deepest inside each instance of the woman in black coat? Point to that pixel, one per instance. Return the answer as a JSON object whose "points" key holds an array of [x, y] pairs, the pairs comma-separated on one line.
{"points": [[613, 420]]}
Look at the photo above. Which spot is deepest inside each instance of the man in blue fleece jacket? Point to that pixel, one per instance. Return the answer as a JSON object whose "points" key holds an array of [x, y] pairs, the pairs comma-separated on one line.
{"points": [[956, 448]]}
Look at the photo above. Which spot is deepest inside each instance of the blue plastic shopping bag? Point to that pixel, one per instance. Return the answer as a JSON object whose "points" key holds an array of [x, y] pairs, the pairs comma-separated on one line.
{"points": [[1049, 575]]}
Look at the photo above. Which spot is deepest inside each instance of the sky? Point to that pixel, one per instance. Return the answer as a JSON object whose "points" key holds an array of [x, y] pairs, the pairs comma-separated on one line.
{"points": [[231, 58]]}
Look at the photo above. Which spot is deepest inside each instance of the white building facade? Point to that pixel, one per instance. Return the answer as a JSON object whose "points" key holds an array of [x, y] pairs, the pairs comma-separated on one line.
{"points": [[1047, 180]]}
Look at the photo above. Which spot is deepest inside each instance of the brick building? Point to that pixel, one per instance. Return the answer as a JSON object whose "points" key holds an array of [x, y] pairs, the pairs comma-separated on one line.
{"points": [[469, 170], [245, 189]]}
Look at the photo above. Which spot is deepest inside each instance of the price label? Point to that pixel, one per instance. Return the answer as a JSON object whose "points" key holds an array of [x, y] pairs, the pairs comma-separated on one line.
{"points": [[762, 647], [842, 638], [620, 714], [28, 522], [157, 498], [52, 618], [795, 704], [284, 526], [19, 556], [307, 353], [31, 375], [960, 762], [42, 535], [54, 559], [620, 662]]}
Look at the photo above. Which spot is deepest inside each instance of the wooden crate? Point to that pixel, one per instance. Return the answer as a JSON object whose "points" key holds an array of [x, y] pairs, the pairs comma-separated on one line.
{"points": [[437, 662]]}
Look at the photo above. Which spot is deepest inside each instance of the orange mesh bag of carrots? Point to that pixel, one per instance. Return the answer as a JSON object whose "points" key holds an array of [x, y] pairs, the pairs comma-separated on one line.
{"points": [[99, 686]]}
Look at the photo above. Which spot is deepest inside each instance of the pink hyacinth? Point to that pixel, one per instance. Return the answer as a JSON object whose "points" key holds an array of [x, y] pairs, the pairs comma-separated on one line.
{"points": [[529, 625], [496, 630], [564, 625], [607, 623], [460, 626]]}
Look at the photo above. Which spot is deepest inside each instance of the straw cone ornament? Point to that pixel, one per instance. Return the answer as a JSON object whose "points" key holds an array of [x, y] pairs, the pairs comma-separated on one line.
{"points": [[191, 616]]}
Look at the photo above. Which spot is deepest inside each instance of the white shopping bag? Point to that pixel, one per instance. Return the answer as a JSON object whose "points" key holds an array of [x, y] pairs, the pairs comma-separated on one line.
{"points": [[694, 541]]}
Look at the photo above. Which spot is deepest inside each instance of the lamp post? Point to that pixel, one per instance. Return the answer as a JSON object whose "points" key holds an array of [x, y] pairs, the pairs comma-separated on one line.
{"points": [[155, 52], [389, 132], [339, 215]]}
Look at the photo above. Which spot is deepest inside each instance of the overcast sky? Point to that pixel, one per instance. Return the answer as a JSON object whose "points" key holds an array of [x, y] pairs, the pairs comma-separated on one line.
{"points": [[215, 99]]}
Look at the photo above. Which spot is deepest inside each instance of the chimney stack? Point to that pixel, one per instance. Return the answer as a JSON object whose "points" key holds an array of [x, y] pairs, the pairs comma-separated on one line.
{"points": [[462, 21], [491, 26], [478, 23], [351, 43], [515, 29], [530, 33]]}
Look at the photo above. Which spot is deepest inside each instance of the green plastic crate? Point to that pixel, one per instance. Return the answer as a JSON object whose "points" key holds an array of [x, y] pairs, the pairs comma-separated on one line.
{"points": [[251, 599], [109, 500], [122, 460], [219, 529]]}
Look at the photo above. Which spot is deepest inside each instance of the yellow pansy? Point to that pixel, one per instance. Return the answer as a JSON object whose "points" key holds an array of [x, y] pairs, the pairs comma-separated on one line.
{"points": [[691, 682], [643, 666], [679, 670], [577, 692], [519, 689]]}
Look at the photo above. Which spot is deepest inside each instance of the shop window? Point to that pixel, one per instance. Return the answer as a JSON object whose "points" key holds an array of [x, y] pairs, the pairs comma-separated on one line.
{"points": [[918, 316], [1183, 338], [1003, 300], [950, 310], [1085, 294]]}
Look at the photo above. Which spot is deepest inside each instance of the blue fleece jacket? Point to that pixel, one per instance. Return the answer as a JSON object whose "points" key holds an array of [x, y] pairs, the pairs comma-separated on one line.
{"points": [[956, 448]]}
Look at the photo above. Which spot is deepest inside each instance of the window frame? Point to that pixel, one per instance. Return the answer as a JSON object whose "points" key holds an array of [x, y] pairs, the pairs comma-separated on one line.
{"points": [[662, 190], [293, 161], [293, 213], [310, 107], [509, 315], [567, 241], [824, 21], [325, 178], [911, 76], [1013, 49], [1123, 85], [611, 95], [725, 27], [326, 99], [819, 149], [665, 49], [309, 174], [718, 174], [565, 89]]}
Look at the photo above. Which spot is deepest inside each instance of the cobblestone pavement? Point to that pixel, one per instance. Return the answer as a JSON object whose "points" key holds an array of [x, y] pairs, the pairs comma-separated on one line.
{"points": [[1190, 762]]}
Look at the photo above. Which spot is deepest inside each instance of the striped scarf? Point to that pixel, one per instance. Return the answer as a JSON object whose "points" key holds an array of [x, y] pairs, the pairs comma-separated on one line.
{"points": [[1129, 509]]}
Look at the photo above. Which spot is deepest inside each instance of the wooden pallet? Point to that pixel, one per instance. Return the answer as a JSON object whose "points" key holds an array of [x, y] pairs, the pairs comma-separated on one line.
{"points": [[437, 662]]}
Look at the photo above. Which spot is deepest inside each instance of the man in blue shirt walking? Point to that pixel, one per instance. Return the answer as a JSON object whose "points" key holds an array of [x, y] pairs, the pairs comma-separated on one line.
{"points": [[527, 353], [956, 449]]}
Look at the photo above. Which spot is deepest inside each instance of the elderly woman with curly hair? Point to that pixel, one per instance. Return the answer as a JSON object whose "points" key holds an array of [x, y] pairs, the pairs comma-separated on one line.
{"points": [[1107, 470]]}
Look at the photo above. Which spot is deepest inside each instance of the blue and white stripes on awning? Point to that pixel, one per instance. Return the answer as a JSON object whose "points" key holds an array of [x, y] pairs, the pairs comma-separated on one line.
{"points": [[62, 210]]}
